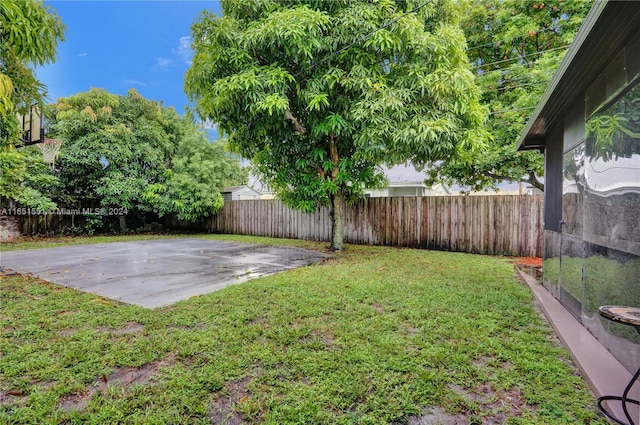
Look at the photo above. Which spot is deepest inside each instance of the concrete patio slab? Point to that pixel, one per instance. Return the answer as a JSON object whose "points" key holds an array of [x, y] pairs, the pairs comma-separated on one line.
{"points": [[156, 273]]}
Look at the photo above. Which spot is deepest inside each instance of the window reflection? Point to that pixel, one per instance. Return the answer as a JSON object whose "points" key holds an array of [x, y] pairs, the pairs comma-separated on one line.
{"points": [[612, 175], [573, 190]]}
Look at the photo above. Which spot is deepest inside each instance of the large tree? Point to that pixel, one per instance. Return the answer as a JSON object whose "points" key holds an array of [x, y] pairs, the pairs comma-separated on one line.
{"points": [[199, 171], [320, 94], [29, 34], [131, 153], [515, 46]]}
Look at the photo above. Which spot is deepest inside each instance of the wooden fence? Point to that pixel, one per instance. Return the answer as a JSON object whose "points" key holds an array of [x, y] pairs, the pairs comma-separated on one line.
{"points": [[496, 225]]}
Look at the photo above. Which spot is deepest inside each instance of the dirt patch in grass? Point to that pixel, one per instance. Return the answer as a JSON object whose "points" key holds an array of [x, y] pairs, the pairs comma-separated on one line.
{"points": [[326, 336], [495, 407], [12, 396], [438, 416], [259, 321], [323, 337], [130, 328], [408, 329], [122, 377], [379, 308], [507, 404], [19, 397], [197, 326], [222, 408], [68, 332]]}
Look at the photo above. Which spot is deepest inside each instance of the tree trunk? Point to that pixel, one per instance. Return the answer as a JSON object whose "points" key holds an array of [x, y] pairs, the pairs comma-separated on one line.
{"points": [[337, 200], [337, 222], [123, 223]]}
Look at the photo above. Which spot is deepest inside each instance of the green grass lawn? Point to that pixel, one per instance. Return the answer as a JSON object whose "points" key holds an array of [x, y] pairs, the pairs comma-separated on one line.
{"points": [[372, 336]]}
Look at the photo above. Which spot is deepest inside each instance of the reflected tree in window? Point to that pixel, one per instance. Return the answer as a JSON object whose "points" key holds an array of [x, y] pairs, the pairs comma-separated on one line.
{"points": [[615, 131]]}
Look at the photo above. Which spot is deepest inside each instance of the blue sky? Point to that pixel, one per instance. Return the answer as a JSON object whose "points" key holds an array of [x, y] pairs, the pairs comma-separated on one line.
{"points": [[118, 45]]}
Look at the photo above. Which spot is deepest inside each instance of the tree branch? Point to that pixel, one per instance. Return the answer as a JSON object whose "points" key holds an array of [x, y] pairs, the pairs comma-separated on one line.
{"points": [[532, 179], [293, 120], [333, 154], [494, 176]]}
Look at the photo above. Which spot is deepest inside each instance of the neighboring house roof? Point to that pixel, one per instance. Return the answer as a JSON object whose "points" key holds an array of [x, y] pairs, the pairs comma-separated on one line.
{"points": [[606, 30], [407, 184], [234, 189]]}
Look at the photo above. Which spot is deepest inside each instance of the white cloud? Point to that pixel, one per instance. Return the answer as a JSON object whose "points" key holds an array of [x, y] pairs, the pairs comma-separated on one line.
{"points": [[184, 49], [162, 64], [133, 83], [208, 125], [82, 55]]}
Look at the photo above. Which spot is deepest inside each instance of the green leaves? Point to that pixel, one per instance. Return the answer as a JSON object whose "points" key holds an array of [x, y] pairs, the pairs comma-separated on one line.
{"points": [[128, 152], [333, 123], [384, 41], [271, 103], [294, 33], [25, 178], [318, 101], [614, 131], [200, 171], [30, 31], [320, 94], [515, 47], [29, 34], [6, 89]]}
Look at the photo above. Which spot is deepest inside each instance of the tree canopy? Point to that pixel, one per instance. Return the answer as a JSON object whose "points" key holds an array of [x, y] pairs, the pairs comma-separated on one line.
{"points": [[515, 47], [320, 94], [29, 34], [131, 153]]}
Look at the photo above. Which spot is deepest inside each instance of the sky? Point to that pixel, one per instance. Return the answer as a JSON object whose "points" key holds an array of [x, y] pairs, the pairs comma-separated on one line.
{"points": [[117, 45]]}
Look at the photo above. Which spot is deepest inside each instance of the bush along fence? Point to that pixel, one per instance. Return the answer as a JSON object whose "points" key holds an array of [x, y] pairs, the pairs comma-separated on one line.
{"points": [[496, 225]]}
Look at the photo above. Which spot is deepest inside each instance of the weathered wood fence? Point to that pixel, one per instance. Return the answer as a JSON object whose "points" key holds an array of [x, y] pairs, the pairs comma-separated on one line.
{"points": [[497, 225]]}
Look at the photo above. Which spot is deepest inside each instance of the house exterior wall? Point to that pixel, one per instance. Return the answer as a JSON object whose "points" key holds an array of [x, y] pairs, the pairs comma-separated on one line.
{"points": [[406, 191], [377, 193], [245, 196], [592, 208], [240, 194]]}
